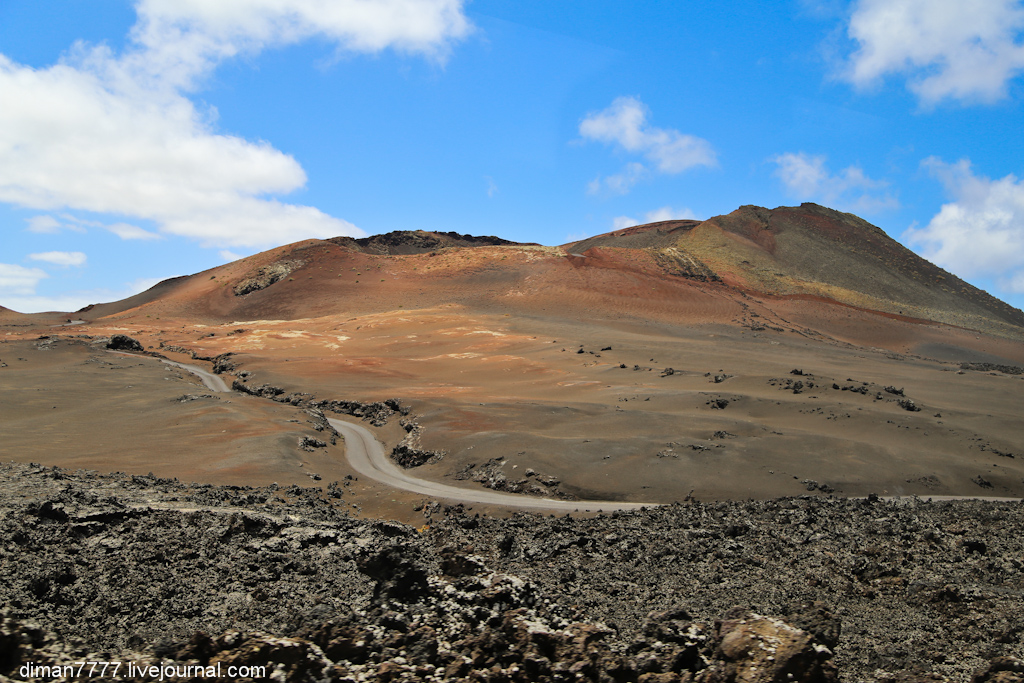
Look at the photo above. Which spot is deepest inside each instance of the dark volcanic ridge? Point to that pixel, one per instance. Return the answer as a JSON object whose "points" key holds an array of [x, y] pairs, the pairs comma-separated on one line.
{"points": [[146, 569], [403, 242]]}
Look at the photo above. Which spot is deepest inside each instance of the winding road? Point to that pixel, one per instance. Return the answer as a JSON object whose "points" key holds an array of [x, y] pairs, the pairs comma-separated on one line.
{"points": [[212, 381], [366, 455]]}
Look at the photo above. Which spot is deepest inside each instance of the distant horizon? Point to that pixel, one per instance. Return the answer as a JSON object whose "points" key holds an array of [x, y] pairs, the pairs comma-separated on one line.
{"points": [[140, 138]]}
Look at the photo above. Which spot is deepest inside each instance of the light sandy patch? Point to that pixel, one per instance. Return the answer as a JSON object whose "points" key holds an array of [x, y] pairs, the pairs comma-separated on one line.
{"points": [[457, 356]]}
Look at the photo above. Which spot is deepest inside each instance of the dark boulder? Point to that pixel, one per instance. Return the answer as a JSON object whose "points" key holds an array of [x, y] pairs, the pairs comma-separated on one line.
{"points": [[122, 342]]}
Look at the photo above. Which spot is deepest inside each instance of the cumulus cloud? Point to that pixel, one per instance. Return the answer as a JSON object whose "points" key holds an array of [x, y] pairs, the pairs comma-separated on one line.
{"points": [[979, 233], [117, 134], [624, 125], [806, 178], [181, 39], [60, 258], [947, 49]]}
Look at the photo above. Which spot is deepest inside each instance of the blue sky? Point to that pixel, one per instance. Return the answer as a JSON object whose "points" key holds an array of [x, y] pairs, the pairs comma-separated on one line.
{"points": [[144, 140]]}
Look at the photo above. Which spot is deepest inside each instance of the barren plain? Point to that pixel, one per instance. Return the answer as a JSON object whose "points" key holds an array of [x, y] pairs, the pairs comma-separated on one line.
{"points": [[792, 354]]}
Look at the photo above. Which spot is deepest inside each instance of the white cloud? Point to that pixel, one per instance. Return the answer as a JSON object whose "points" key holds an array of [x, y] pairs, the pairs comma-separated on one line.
{"points": [[492, 188], [623, 222], [181, 39], [116, 134], [1015, 283], [141, 285], [981, 232], [230, 256], [620, 183], [127, 231], [624, 124], [945, 48], [667, 213], [43, 224], [807, 178], [18, 292], [15, 279], [48, 225], [60, 258]]}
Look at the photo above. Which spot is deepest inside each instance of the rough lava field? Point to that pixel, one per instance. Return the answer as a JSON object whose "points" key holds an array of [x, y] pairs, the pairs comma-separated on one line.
{"points": [[754, 378]]}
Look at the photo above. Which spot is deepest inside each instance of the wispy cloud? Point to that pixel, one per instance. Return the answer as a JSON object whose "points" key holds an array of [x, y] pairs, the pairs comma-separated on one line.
{"points": [[624, 125], [979, 233], [18, 291], [806, 178], [118, 134], [60, 258], [620, 183], [43, 225], [665, 213], [19, 280], [48, 225], [126, 231], [946, 49]]}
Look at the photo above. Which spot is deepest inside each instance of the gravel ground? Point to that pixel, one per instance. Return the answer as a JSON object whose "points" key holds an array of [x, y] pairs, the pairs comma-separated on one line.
{"points": [[116, 564]]}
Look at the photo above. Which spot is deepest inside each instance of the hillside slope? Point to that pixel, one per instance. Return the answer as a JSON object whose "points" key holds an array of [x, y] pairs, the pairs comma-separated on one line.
{"points": [[815, 251]]}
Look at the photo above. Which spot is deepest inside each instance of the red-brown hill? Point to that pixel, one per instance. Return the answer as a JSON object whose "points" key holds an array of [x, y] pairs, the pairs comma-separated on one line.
{"points": [[673, 271]]}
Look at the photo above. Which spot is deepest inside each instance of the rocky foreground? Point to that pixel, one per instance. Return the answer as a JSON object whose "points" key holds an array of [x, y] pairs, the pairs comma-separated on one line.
{"points": [[156, 572]]}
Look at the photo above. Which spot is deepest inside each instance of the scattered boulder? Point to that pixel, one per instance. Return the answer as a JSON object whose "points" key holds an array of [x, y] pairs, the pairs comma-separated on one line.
{"points": [[909, 405], [122, 342], [310, 444]]}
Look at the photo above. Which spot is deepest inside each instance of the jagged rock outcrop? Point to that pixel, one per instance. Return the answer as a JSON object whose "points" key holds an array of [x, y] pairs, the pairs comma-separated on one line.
{"points": [[122, 342], [416, 242], [267, 275], [409, 452]]}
